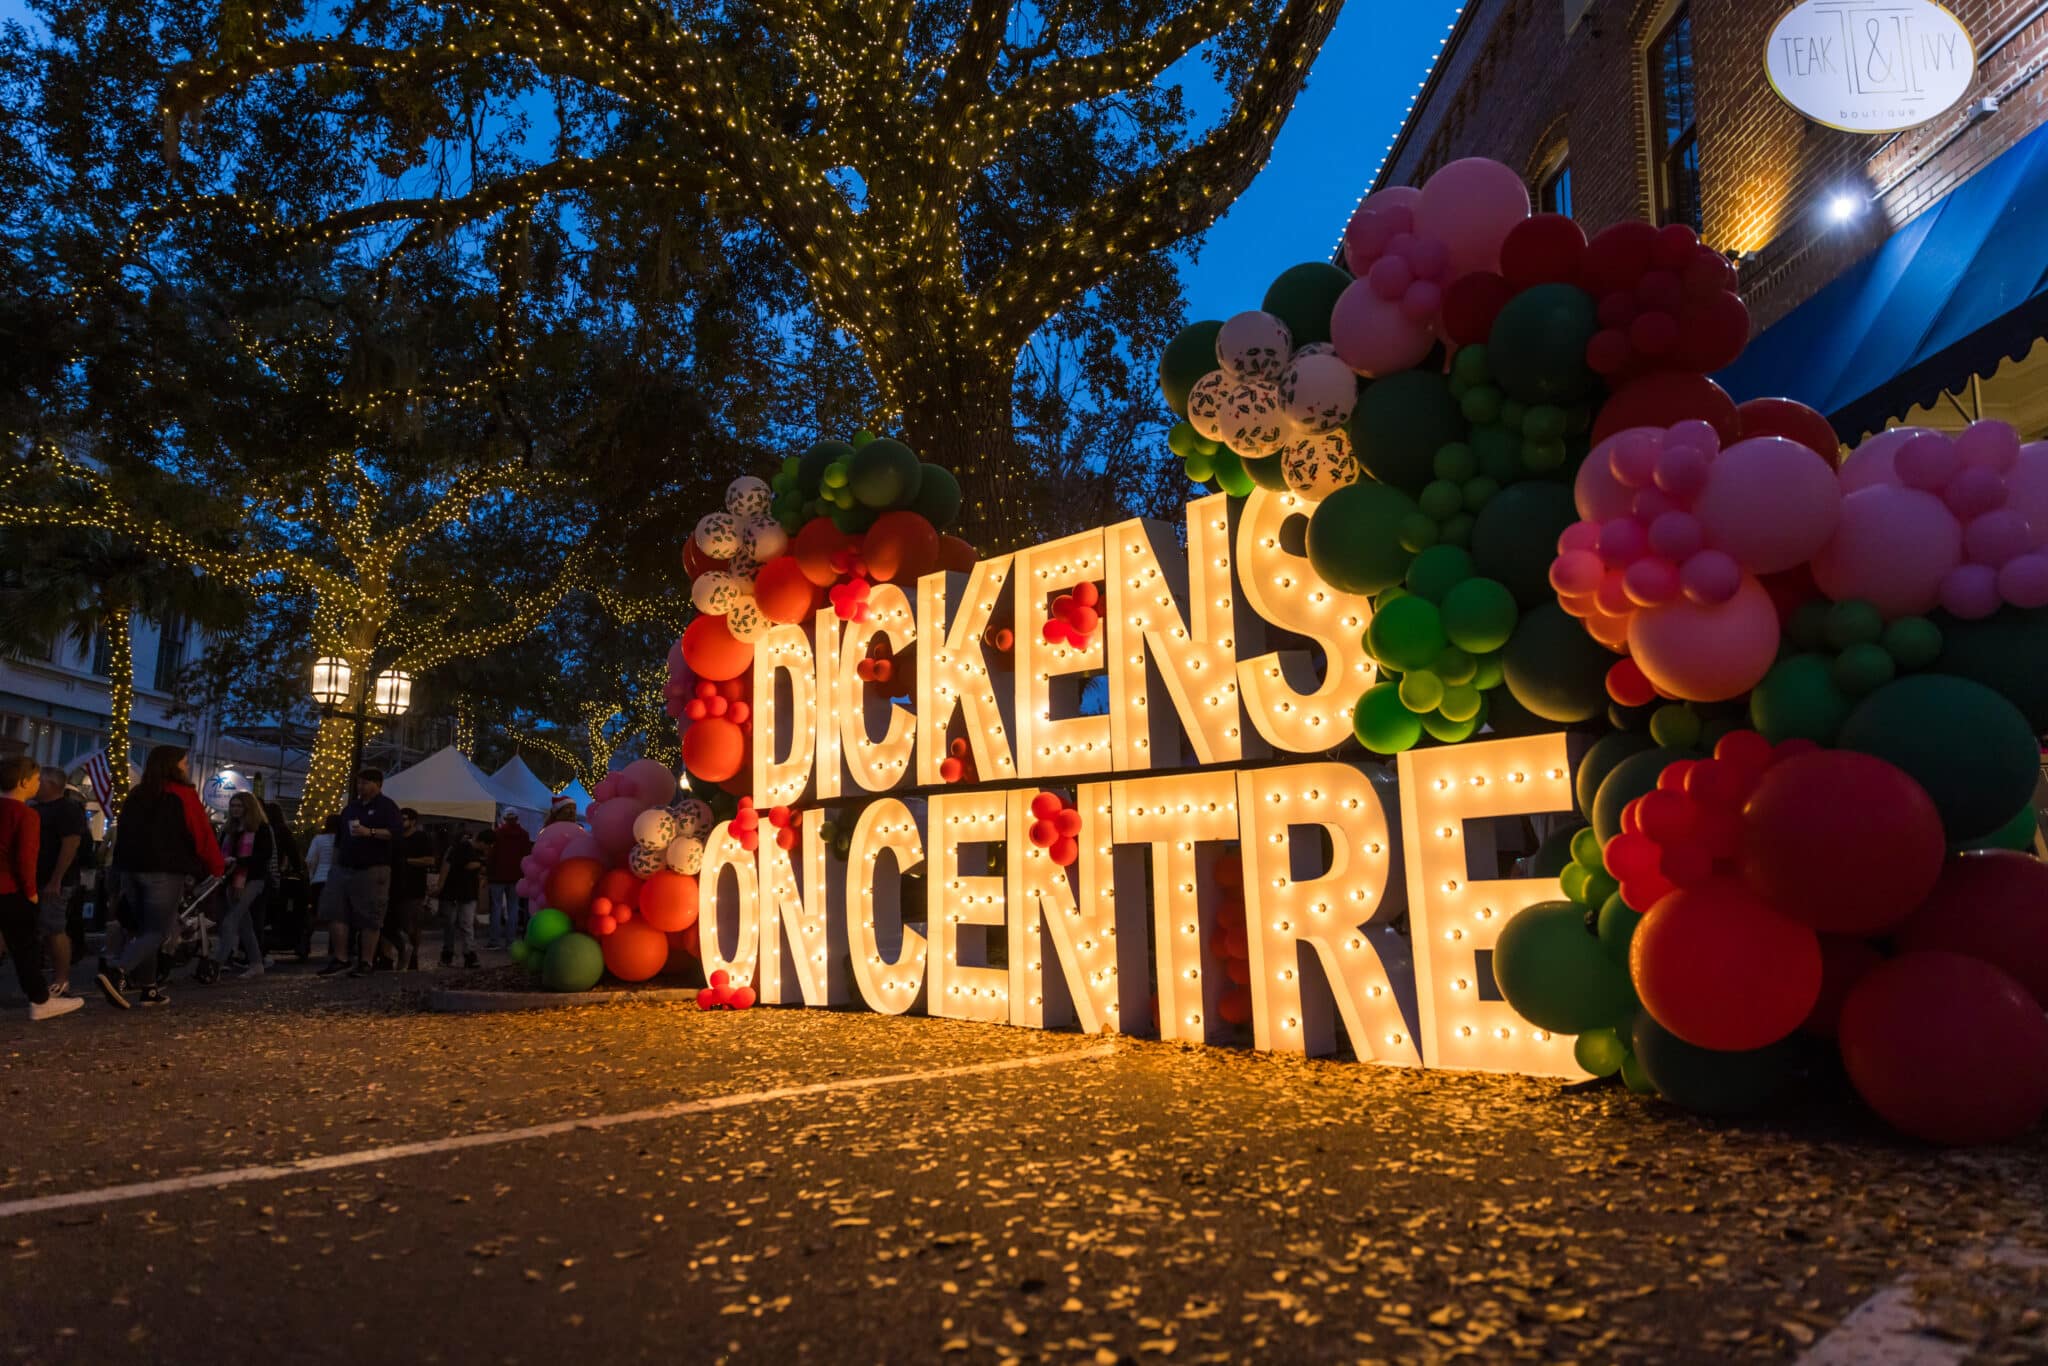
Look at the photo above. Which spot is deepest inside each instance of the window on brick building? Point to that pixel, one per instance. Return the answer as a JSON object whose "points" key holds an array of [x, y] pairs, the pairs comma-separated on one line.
{"points": [[1554, 185], [1674, 127], [170, 653]]}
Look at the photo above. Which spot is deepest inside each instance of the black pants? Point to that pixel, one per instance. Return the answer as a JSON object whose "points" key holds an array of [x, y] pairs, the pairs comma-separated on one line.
{"points": [[24, 945]]}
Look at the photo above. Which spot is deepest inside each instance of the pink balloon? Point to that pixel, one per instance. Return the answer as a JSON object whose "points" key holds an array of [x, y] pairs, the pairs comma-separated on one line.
{"points": [[1579, 536], [1970, 592], [2026, 488], [1769, 502], [1623, 541], [1650, 581], [1707, 654], [1683, 470], [1991, 445], [1390, 278], [584, 845], [1375, 222], [649, 782], [611, 822], [1927, 462], [1471, 206], [1576, 572], [1997, 537], [1976, 490], [1677, 536], [1599, 494], [553, 837], [1375, 337], [2023, 581], [1711, 577], [1871, 462], [1893, 547]]}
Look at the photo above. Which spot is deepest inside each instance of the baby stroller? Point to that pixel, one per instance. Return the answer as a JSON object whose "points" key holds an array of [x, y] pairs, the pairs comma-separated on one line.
{"points": [[194, 945]]}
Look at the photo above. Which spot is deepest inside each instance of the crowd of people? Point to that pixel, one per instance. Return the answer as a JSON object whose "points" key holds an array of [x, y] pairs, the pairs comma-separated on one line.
{"points": [[370, 875]]}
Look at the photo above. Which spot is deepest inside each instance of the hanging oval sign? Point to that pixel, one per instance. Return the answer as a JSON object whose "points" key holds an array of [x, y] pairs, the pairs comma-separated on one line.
{"points": [[1870, 66]]}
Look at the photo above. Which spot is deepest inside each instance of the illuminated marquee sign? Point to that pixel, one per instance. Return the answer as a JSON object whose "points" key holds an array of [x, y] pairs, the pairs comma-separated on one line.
{"points": [[1870, 66], [1231, 667]]}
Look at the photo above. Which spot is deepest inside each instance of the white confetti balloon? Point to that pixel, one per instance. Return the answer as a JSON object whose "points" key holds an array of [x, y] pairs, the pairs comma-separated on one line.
{"points": [[1318, 392], [1205, 403], [743, 567], [765, 538], [745, 621], [747, 498], [712, 593], [1317, 466], [654, 828], [694, 818], [1254, 345], [646, 862], [1314, 349], [1253, 425], [718, 535], [685, 855]]}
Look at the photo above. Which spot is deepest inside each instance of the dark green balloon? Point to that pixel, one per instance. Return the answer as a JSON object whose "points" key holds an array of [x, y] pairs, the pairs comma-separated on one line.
{"points": [[1556, 975], [1230, 474], [2006, 652], [1630, 779], [1970, 748], [811, 468], [1554, 855], [1554, 668], [1406, 634], [1705, 1079], [573, 963], [1188, 357], [1437, 570], [2018, 833], [1400, 424], [883, 474], [1515, 536], [1354, 537], [1537, 350], [854, 520], [1479, 615], [547, 925], [1382, 724], [1267, 472], [1601, 759], [1617, 926], [1799, 698], [938, 496], [1303, 297]]}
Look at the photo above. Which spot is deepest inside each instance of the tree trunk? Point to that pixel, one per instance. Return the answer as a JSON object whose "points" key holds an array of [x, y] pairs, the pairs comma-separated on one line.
{"points": [[327, 775], [963, 419], [118, 621]]}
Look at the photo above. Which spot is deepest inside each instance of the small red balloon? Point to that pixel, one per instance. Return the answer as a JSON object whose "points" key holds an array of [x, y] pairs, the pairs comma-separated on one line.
{"points": [[1720, 969], [1544, 248], [1991, 905], [1841, 841], [620, 887], [696, 563]]}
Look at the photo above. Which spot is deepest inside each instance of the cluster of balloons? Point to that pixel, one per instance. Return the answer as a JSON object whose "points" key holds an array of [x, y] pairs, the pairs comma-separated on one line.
{"points": [[1055, 828], [1436, 639], [853, 483], [1075, 617]]}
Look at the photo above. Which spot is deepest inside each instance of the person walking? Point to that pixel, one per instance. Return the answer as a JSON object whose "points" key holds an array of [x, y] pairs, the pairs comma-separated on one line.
{"points": [[409, 890], [284, 906], [462, 871], [20, 844], [359, 888], [319, 866], [161, 840], [250, 849], [65, 835], [509, 848]]}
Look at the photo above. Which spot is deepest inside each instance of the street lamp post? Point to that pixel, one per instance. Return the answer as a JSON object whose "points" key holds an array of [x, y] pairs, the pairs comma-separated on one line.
{"points": [[389, 696]]}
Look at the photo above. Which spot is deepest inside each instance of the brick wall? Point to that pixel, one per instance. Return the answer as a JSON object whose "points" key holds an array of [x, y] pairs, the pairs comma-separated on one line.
{"points": [[1516, 84]]}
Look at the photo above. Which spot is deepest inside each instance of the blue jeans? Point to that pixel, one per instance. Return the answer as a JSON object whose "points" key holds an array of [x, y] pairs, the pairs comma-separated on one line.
{"points": [[504, 912], [238, 926], [155, 898]]}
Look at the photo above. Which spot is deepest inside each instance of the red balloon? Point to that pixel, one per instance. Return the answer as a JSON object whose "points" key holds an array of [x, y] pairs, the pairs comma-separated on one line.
{"points": [[696, 563], [620, 887], [955, 555], [1792, 420], [710, 650], [901, 547], [1617, 256], [1716, 329], [572, 885], [1235, 1005], [1720, 969], [1841, 841], [634, 951], [1543, 249], [1991, 905], [817, 541], [1472, 303], [714, 749], [1664, 399], [784, 592], [1947, 1048], [1844, 961]]}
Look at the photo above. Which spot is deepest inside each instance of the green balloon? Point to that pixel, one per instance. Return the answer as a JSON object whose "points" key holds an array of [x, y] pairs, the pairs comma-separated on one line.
{"points": [[1461, 703], [1382, 724], [1630, 779], [1303, 297], [811, 468], [573, 963], [1556, 975], [1586, 848], [1808, 628], [1635, 1078], [1421, 692], [1799, 699], [883, 474], [1479, 615], [1188, 357], [1268, 472], [2006, 652], [2018, 833], [1231, 475], [1499, 452], [938, 496], [1401, 422], [1970, 748], [853, 519], [1437, 569], [1554, 854], [1554, 668], [1854, 622], [1675, 726], [1864, 668], [1617, 926], [1199, 468], [1601, 887], [1537, 349], [1444, 730], [1515, 536], [1455, 462], [1601, 759], [520, 950], [1354, 537], [1181, 439], [1705, 1079], [1914, 643], [1600, 1051], [1486, 671], [1406, 634], [1572, 882], [1454, 666], [546, 926]]}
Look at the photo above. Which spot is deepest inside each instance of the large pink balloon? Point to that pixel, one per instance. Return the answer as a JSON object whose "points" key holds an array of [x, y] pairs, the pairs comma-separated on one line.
{"points": [[1707, 653], [1600, 496], [1871, 462], [649, 782], [611, 822], [1375, 337], [1769, 502], [583, 844], [553, 837], [1893, 548], [1471, 206], [2026, 488]]}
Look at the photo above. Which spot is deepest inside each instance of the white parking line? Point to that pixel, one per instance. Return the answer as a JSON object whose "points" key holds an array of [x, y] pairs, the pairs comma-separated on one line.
{"points": [[235, 1176], [1888, 1330]]}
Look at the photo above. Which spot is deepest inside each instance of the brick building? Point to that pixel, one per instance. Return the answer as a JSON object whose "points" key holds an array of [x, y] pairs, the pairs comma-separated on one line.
{"points": [[1662, 109]]}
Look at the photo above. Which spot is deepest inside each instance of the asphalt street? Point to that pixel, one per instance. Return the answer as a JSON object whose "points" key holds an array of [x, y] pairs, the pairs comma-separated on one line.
{"points": [[1097, 1202]]}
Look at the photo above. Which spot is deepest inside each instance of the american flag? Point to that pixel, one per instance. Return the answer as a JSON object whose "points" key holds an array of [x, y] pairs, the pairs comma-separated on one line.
{"points": [[102, 779]]}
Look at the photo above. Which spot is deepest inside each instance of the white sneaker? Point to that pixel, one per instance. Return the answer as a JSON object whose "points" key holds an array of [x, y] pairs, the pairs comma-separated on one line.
{"points": [[52, 1008]]}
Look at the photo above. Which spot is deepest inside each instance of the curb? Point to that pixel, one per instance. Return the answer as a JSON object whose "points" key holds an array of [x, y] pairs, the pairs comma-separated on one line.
{"points": [[453, 1001]]}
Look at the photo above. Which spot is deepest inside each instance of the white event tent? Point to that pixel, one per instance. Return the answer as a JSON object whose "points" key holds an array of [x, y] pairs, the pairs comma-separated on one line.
{"points": [[524, 792], [446, 783]]}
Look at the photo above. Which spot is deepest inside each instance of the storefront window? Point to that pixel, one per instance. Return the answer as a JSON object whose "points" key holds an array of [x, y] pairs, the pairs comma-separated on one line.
{"points": [[1674, 128], [1554, 191], [170, 653]]}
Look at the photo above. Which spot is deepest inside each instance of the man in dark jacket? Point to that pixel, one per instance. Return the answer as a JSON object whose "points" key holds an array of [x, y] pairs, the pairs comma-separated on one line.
{"points": [[359, 889]]}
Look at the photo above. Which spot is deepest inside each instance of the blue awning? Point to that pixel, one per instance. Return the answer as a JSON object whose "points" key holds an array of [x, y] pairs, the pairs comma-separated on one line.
{"points": [[1952, 294]]}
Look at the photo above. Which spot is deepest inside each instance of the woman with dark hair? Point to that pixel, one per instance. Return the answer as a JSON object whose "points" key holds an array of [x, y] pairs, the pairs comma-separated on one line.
{"points": [[161, 840]]}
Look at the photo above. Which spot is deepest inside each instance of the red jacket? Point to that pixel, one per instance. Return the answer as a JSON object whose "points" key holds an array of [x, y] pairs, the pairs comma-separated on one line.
{"points": [[167, 833], [512, 846], [21, 838]]}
